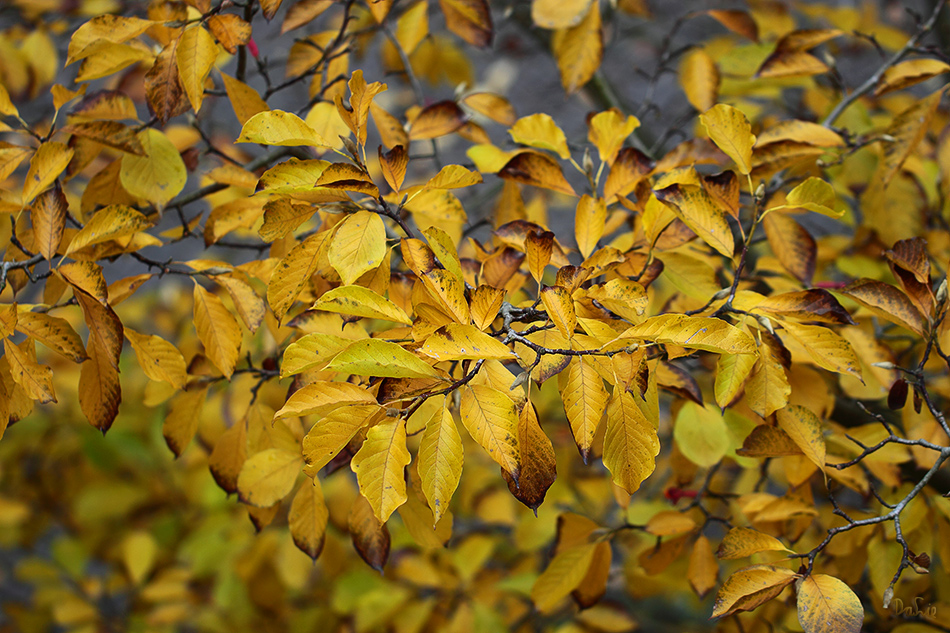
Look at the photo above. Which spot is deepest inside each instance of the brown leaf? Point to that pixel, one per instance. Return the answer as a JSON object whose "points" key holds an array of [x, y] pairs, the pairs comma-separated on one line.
{"points": [[99, 389], [739, 22], [394, 163], [437, 120], [887, 301], [768, 441], [49, 220], [792, 244], [539, 170], [807, 305], [469, 19], [370, 537], [538, 469], [163, 89]]}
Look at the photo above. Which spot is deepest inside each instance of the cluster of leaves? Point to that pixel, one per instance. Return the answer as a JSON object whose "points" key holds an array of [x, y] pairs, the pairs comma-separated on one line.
{"points": [[682, 376]]}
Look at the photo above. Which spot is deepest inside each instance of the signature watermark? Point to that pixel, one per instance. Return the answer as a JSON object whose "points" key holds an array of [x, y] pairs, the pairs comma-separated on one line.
{"points": [[915, 608]]}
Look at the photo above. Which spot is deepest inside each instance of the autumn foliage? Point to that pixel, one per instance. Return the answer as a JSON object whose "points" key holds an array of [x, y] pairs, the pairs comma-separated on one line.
{"points": [[308, 326]]}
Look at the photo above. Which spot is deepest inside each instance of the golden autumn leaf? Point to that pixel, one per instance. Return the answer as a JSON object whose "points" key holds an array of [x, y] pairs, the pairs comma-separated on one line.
{"points": [[245, 101], [703, 568], [308, 518], [806, 431], [358, 245], [908, 73], [701, 434], [585, 400], [181, 423], [458, 342], [46, 165], [158, 176], [630, 443], [700, 213], [437, 120], [113, 222], [333, 431], [195, 57], [711, 335], [536, 169], [469, 19], [540, 131], [888, 302], [440, 461], [826, 605], [491, 419], [268, 476], [35, 379], [741, 542], [751, 587], [565, 572], [230, 31], [579, 49], [217, 329], [379, 466], [276, 127], [730, 130], [159, 359], [360, 301], [374, 357], [292, 273], [699, 78]]}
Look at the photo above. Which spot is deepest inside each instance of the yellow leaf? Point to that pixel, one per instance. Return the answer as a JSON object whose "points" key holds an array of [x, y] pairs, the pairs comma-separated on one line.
{"points": [[453, 177], [195, 56], [630, 442], [828, 349], [361, 98], [440, 461], [806, 431], [560, 308], [458, 342], [828, 605], [380, 467], [906, 132], [730, 130], [815, 195], [700, 213], [701, 434], [800, 132], [139, 551], [741, 542], [585, 400], [249, 305], [703, 568], [99, 389], [450, 292], [562, 576], [218, 331], [486, 302], [792, 245], [589, 222], [158, 176], [358, 245], [245, 100], [36, 379], [230, 30], [362, 302], [268, 476], [767, 389], [86, 40], [276, 127], [292, 273], [6, 104], [320, 398], [373, 357], [228, 456], [443, 247], [558, 14], [47, 164], [608, 130], [750, 587], [308, 518], [325, 119], [711, 335], [492, 420], [159, 359], [625, 297], [333, 431], [113, 222], [313, 351], [732, 371], [181, 423], [579, 50], [540, 130], [908, 73], [699, 79]]}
